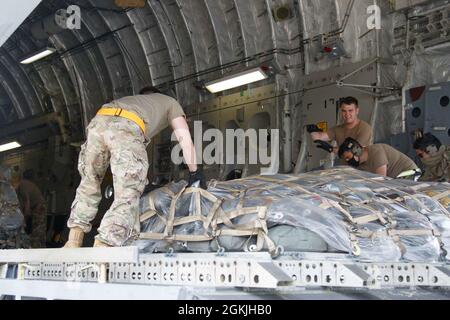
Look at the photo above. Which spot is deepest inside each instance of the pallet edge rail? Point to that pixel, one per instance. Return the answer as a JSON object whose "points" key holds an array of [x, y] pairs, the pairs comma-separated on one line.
{"points": [[88, 270]]}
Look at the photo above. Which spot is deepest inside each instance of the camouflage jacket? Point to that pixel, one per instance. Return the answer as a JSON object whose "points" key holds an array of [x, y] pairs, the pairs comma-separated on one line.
{"points": [[437, 168]]}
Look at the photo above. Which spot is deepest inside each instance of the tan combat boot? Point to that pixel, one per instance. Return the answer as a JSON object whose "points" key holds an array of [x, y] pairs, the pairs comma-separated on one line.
{"points": [[100, 244], [76, 236]]}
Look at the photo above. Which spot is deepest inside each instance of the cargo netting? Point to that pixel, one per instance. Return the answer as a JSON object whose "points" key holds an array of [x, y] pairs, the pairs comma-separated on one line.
{"points": [[371, 218]]}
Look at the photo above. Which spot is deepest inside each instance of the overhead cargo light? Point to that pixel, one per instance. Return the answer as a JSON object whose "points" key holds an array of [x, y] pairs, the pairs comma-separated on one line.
{"points": [[9, 146], [38, 55], [236, 80]]}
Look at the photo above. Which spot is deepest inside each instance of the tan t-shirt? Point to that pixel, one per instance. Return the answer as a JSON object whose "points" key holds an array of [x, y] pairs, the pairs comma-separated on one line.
{"points": [[363, 133], [28, 189], [383, 154], [157, 110]]}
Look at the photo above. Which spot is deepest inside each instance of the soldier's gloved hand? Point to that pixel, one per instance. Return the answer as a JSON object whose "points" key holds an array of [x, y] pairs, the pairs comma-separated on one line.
{"points": [[324, 145], [197, 177], [311, 128]]}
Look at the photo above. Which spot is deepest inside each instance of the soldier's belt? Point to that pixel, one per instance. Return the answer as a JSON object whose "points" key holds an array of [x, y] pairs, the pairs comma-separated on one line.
{"points": [[118, 112]]}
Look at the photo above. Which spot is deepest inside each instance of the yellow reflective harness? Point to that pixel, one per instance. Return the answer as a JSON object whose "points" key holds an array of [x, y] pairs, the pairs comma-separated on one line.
{"points": [[118, 112]]}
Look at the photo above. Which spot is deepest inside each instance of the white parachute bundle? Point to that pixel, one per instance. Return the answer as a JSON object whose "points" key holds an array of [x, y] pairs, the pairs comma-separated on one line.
{"points": [[338, 210]]}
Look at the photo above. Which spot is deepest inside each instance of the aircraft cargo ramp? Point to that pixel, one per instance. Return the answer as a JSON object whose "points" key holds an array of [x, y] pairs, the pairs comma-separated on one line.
{"points": [[334, 234]]}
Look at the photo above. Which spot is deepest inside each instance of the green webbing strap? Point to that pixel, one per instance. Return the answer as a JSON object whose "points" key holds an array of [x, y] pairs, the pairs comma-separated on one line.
{"points": [[170, 220], [198, 204], [150, 212], [375, 180], [441, 195], [212, 214], [175, 237], [147, 215], [396, 232], [189, 219]]}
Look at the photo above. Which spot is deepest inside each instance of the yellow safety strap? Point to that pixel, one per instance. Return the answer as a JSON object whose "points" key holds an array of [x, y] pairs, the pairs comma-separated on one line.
{"points": [[118, 112]]}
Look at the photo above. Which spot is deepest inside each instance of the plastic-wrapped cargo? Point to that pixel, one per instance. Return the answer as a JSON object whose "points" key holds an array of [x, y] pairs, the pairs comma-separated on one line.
{"points": [[371, 218], [11, 218]]}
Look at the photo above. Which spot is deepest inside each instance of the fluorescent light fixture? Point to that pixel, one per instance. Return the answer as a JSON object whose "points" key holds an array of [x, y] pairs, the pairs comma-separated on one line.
{"points": [[236, 80], [9, 146], [38, 55]]}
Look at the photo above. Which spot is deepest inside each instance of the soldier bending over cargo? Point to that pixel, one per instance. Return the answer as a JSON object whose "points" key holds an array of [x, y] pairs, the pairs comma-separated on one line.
{"points": [[34, 208], [379, 159], [118, 136]]}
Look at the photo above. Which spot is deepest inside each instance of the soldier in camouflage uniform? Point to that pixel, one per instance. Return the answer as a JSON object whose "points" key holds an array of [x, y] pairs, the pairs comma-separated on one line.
{"points": [[34, 208], [11, 218], [118, 136], [435, 157]]}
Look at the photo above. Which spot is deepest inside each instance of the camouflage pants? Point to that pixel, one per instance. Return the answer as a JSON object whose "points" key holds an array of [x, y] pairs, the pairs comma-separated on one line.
{"points": [[121, 143]]}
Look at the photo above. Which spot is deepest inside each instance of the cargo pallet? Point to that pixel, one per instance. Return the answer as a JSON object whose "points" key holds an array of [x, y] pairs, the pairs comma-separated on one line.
{"points": [[124, 273]]}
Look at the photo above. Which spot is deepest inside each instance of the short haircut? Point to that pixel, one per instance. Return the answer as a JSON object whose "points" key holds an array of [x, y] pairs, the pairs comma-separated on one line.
{"points": [[348, 101], [149, 90], [352, 146], [428, 143]]}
